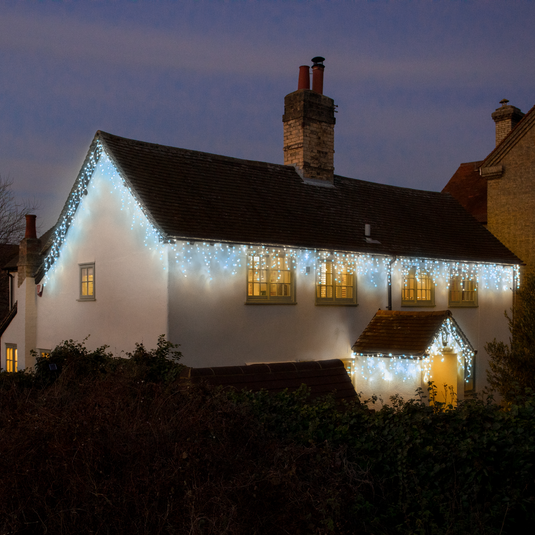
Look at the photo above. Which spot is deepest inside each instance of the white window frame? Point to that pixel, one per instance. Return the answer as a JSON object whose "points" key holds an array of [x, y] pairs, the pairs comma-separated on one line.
{"points": [[462, 292], [267, 283], [334, 279], [87, 296], [418, 289]]}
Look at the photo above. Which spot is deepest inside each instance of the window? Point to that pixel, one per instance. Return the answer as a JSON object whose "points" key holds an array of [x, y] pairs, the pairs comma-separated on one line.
{"points": [[11, 358], [336, 284], [463, 292], [87, 282], [270, 279], [418, 289]]}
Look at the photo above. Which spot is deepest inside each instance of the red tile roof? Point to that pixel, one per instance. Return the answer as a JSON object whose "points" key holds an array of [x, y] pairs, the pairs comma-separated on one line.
{"points": [[322, 377], [200, 196], [469, 188], [402, 332]]}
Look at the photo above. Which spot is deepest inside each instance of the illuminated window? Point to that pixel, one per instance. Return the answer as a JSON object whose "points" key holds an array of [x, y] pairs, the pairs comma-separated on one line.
{"points": [[463, 292], [336, 285], [270, 279], [418, 289], [11, 358], [87, 282]]}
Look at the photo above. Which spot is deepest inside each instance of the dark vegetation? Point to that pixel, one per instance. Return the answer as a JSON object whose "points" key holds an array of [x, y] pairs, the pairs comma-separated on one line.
{"points": [[106, 445], [512, 366]]}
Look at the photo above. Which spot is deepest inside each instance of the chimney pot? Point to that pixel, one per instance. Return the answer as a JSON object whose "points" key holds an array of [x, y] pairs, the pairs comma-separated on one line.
{"points": [[317, 74], [31, 232], [304, 77]]}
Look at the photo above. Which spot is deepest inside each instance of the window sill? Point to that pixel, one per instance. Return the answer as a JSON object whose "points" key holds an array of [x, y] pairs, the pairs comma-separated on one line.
{"points": [[85, 299], [326, 304], [269, 303]]}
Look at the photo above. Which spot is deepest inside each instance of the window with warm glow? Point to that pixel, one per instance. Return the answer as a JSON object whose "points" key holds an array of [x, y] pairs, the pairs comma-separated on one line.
{"points": [[418, 289], [336, 284], [87, 282], [463, 292], [270, 279], [11, 358]]}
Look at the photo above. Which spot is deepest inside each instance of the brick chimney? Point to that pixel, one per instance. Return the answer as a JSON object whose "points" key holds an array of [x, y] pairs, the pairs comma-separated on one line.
{"points": [[29, 251], [506, 118], [309, 125]]}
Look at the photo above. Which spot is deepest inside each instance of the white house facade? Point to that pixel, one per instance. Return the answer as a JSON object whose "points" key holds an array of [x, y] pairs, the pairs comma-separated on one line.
{"points": [[245, 262]]}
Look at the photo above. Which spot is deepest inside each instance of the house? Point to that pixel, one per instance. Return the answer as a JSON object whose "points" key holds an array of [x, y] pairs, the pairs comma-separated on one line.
{"points": [[500, 190], [244, 262]]}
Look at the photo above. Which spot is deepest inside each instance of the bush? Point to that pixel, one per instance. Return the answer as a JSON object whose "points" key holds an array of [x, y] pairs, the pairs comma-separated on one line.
{"points": [[119, 445], [512, 367]]}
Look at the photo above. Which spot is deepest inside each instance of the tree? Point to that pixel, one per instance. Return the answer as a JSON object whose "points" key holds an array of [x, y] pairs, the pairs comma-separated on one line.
{"points": [[512, 367], [12, 226], [12, 220]]}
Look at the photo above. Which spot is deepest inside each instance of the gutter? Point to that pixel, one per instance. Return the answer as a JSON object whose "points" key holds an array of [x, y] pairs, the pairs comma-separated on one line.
{"points": [[389, 306]]}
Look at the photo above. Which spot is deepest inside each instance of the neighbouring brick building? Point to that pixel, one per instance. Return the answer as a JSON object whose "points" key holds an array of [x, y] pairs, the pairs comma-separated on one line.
{"points": [[500, 190]]}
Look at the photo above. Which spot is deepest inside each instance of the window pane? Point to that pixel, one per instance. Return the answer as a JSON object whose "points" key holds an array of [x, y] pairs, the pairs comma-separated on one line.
{"points": [[424, 288]]}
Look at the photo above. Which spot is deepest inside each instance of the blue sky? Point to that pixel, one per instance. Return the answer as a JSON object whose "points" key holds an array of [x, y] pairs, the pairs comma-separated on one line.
{"points": [[415, 82]]}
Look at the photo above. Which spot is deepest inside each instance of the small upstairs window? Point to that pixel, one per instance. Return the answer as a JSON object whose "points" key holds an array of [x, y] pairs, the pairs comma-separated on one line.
{"points": [[336, 284], [87, 282], [270, 279], [418, 289], [463, 292]]}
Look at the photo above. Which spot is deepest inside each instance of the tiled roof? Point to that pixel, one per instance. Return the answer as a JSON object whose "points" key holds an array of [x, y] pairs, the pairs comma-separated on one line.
{"points": [[322, 377], [401, 332], [46, 241], [470, 189], [7, 320], [196, 195], [9, 253]]}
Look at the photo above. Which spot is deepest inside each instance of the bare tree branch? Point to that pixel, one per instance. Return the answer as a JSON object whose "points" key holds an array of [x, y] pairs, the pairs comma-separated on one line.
{"points": [[12, 220]]}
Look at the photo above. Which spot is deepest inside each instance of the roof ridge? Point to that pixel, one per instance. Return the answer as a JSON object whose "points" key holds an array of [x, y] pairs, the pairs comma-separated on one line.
{"points": [[173, 150]]}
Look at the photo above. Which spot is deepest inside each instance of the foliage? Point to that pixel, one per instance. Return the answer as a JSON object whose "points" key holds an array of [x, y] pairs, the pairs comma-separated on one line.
{"points": [[125, 446], [160, 364], [512, 367]]}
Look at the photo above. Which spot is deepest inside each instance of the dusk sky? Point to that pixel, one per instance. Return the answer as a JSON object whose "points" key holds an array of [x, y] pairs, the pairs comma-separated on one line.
{"points": [[415, 82]]}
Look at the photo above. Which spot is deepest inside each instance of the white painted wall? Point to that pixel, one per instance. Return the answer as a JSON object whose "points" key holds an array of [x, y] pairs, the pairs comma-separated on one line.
{"points": [[15, 332], [130, 278], [214, 326]]}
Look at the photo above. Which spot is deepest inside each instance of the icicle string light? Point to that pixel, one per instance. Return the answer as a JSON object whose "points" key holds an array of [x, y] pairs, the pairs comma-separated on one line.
{"points": [[410, 367], [231, 257], [78, 191]]}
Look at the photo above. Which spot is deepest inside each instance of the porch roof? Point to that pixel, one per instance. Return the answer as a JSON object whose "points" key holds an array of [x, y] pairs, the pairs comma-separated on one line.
{"points": [[402, 332]]}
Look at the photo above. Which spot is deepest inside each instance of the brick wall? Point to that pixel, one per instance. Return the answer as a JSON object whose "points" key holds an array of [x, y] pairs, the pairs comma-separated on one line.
{"points": [[309, 133], [511, 201]]}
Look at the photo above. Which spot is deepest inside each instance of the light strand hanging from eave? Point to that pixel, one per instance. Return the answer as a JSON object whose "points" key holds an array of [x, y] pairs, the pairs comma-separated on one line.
{"points": [[231, 257], [78, 191], [409, 367], [99, 161]]}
